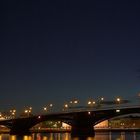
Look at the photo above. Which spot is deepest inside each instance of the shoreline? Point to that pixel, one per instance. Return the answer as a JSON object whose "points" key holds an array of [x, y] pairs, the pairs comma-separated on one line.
{"points": [[69, 131], [117, 129]]}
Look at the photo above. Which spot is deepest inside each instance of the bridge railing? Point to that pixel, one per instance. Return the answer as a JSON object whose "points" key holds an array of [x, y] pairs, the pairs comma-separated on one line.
{"points": [[72, 110]]}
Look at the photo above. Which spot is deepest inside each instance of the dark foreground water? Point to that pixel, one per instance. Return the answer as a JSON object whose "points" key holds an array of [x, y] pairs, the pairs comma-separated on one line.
{"points": [[67, 136]]}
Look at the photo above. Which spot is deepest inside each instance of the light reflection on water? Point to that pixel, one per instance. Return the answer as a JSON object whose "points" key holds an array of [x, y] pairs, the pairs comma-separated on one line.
{"points": [[67, 136]]}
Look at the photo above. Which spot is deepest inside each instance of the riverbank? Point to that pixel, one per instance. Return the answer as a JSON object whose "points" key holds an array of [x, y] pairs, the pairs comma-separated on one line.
{"points": [[96, 130], [116, 129], [50, 130]]}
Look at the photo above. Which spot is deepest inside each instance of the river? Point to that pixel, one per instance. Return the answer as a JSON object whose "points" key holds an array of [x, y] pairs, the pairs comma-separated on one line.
{"points": [[67, 136]]}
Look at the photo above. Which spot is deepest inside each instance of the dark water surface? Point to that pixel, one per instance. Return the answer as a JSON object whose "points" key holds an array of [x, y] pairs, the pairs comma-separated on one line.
{"points": [[67, 136]]}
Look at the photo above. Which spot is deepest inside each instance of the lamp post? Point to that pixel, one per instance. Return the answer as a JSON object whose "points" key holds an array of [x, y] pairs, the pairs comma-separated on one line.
{"points": [[45, 108], [48, 108], [13, 113], [102, 98], [100, 102], [65, 107], [118, 100], [28, 111], [91, 103], [73, 103], [30, 108]]}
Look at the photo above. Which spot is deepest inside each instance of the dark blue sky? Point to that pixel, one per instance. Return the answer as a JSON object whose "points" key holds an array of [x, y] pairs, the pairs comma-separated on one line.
{"points": [[54, 51]]}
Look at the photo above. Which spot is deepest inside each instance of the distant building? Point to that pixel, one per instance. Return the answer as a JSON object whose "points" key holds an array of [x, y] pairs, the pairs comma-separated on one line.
{"points": [[103, 124], [126, 122]]}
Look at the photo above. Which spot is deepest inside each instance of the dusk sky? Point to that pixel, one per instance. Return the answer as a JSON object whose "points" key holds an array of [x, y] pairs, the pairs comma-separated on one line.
{"points": [[55, 51]]}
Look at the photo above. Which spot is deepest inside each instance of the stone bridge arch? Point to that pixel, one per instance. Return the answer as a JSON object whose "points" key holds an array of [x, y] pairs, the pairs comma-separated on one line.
{"points": [[115, 113], [23, 125]]}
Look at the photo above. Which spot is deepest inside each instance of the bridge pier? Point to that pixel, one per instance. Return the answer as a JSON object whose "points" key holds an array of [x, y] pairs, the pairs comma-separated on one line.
{"points": [[19, 132], [82, 126], [82, 130], [21, 126]]}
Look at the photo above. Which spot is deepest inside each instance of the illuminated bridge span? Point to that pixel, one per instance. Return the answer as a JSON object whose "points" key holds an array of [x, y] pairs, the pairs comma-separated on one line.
{"points": [[81, 121]]}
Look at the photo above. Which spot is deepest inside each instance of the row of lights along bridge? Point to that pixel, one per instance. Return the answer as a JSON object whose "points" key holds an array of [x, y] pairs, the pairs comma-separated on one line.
{"points": [[73, 104]]}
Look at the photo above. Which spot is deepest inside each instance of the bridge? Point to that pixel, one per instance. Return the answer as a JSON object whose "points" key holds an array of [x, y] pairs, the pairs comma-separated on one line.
{"points": [[81, 120]]}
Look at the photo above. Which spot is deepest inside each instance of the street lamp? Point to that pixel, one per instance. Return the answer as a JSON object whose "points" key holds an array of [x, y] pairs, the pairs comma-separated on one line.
{"points": [[65, 107], [102, 98], [75, 101], [13, 113], [118, 100], [50, 107], [94, 102], [71, 102], [91, 103], [45, 108], [28, 111], [100, 102], [30, 108]]}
